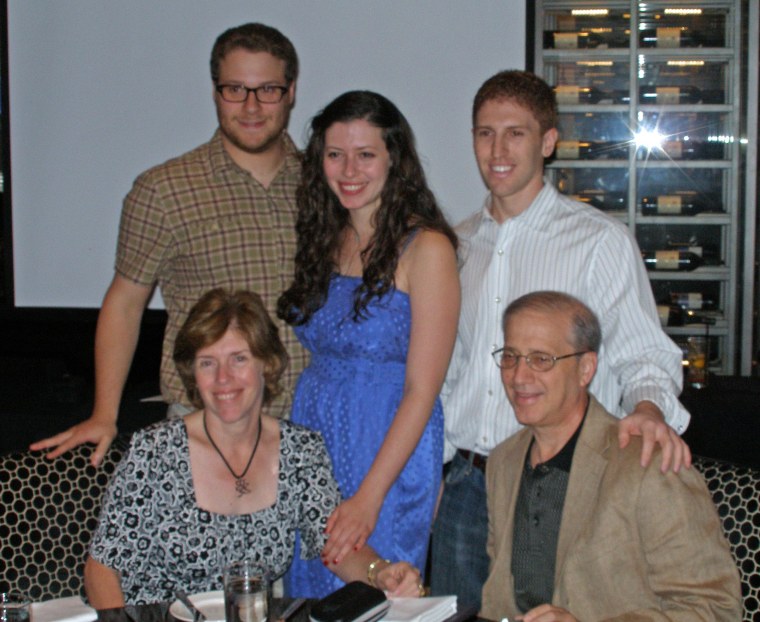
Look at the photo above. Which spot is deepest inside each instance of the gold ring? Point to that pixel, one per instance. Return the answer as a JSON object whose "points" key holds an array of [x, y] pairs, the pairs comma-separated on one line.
{"points": [[421, 588]]}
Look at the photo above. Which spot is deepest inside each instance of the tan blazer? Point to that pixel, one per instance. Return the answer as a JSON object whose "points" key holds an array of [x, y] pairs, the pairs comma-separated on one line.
{"points": [[634, 544]]}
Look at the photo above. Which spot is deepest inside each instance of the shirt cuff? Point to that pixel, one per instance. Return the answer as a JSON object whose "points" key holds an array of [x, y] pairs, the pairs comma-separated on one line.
{"points": [[676, 416]]}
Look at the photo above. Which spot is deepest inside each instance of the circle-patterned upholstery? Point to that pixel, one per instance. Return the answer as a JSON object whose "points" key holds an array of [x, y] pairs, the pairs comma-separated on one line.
{"points": [[49, 511], [736, 493]]}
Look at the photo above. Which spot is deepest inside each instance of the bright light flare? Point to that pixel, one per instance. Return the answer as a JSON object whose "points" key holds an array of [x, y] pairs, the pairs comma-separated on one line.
{"points": [[648, 139]]}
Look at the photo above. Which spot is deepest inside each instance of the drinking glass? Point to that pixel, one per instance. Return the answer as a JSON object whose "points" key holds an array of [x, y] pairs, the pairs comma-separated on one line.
{"points": [[696, 375], [14, 607], [247, 592]]}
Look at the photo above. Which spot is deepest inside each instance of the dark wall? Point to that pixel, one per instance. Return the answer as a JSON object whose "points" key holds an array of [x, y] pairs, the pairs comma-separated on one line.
{"points": [[725, 419], [47, 373]]}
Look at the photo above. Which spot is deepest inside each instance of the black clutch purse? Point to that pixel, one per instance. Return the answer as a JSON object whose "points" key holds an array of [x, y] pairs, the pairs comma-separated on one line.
{"points": [[354, 602]]}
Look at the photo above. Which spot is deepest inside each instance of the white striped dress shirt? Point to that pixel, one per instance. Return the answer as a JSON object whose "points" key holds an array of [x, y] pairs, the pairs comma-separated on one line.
{"points": [[556, 244]]}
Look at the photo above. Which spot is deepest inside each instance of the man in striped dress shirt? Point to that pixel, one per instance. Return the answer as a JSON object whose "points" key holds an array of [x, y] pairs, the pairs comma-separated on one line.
{"points": [[529, 237]]}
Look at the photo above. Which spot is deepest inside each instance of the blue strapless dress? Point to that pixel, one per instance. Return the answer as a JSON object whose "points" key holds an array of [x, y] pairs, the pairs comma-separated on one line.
{"points": [[350, 393]]}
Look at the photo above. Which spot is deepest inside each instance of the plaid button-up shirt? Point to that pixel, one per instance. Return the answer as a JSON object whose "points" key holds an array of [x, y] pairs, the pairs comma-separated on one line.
{"points": [[199, 221]]}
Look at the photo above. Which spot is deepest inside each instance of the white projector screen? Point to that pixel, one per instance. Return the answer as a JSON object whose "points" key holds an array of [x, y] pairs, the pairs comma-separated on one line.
{"points": [[100, 90]]}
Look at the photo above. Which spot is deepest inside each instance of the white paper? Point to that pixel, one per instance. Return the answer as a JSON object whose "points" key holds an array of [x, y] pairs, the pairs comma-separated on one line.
{"points": [[433, 609]]}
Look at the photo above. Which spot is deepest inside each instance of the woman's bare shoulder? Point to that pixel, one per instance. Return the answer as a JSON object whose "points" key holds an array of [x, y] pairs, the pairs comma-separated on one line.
{"points": [[428, 244]]}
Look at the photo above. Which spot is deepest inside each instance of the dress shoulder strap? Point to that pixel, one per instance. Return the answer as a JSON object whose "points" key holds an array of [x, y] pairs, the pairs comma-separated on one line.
{"points": [[409, 239]]}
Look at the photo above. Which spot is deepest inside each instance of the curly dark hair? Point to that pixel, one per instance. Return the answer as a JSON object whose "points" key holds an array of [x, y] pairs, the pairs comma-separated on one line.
{"points": [[208, 321], [406, 204]]}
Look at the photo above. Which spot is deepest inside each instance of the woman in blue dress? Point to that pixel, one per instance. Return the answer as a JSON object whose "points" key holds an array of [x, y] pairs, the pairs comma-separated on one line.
{"points": [[375, 299]]}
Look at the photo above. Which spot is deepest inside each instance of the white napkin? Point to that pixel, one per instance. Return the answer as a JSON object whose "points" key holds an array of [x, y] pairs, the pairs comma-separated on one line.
{"points": [[70, 609], [433, 609]]}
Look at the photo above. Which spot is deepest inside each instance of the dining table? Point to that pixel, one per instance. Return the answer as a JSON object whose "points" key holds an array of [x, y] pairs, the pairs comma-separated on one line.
{"points": [[160, 612]]}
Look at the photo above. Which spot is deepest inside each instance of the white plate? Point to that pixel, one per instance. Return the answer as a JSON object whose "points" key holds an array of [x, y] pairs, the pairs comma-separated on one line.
{"points": [[70, 609], [210, 603]]}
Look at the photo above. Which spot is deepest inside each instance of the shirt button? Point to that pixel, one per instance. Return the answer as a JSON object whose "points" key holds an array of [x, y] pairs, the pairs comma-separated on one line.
{"points": [[490, 392], [535, 521], [500, 251], [497, 299]]}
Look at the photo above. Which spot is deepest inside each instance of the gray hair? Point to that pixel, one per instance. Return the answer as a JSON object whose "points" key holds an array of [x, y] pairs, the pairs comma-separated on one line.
{"points": [[587, 334]]}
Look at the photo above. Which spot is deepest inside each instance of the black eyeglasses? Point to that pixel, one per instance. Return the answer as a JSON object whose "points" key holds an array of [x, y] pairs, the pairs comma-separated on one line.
{"points": [[238, 93], [537, 361]]}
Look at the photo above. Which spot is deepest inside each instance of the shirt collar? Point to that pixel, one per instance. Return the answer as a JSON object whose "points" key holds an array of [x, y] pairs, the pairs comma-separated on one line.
{"points": [[222, 163], [563, 460], [538, 216]]}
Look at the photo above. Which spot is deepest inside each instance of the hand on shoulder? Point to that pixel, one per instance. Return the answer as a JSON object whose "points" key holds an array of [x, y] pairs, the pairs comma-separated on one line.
{"points": [[648, 422]]}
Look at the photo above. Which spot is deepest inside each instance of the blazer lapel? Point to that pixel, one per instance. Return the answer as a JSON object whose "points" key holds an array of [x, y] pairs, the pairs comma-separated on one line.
{"points": [[507, 499], [583, 486]]}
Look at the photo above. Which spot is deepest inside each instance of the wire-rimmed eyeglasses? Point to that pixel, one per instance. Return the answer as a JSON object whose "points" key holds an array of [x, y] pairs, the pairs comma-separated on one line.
{"points": [[537, 361], [265, 94]]}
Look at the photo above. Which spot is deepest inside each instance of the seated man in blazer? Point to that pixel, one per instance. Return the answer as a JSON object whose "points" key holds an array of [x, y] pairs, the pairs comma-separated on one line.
{"points": [[578, 529]]}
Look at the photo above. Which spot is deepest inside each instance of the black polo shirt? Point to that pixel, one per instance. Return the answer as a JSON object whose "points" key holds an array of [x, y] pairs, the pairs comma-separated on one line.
{"points": [[538, 516]]}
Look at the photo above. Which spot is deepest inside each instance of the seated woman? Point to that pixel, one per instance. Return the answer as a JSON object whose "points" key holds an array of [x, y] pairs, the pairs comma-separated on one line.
{"points": [[224, 483]]}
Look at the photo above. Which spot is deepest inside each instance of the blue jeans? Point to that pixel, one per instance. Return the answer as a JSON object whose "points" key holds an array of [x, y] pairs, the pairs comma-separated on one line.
{"points": [[459, 562]]}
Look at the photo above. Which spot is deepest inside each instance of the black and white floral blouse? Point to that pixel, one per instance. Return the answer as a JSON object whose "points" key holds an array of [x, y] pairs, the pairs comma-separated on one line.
{"points": [[153, 533]]}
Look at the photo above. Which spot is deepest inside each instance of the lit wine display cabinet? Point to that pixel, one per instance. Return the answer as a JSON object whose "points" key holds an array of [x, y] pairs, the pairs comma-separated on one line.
{"points": [[653, 105]]}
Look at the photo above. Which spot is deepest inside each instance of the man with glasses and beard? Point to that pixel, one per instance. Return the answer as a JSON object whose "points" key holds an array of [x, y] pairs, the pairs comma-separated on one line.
{"points": [[221, 215]]}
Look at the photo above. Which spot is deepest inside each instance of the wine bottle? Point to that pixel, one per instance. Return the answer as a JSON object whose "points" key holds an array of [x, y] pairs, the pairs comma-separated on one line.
{"points": [[713, 96], [670, 315], [669, 95], [568, 94], [676, 315], [681, 37], [588, 150], [602, 199], [708, 253], [681, 204], [671, 260], [585, 39], [693, 301], [693, 150], [685, 150]]}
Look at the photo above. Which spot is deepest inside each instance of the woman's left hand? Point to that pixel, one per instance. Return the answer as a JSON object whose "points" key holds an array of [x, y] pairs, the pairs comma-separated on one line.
{"points": [[400, 579], [349, 526]]}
